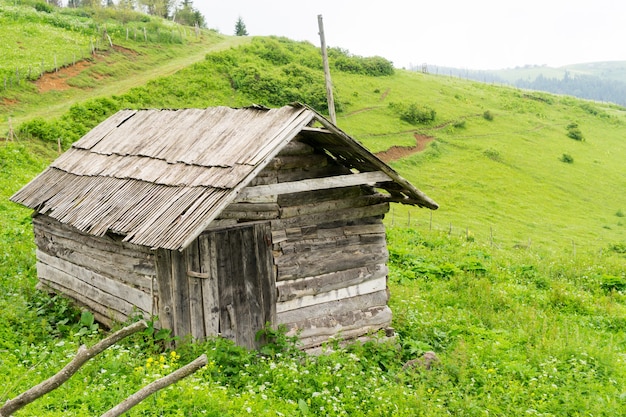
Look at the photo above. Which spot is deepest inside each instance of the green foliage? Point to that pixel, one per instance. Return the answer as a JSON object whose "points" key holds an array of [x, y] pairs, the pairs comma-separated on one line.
{"points": [[275, 342], [488, 115], [573, 131], [618, 247], [493, 154], [375, 66], [44, 7], [413, 113], [567, 158], [240, 28], [459, 124], [611, 283]]}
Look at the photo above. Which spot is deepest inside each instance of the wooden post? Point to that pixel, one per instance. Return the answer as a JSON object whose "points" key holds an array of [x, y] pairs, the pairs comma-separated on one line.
{"points": [[10, 130], [329, 84]]}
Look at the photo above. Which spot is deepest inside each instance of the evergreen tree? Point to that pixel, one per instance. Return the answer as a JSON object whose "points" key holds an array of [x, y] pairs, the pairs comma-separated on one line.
{"points": [[240, 28], [186, 14]]}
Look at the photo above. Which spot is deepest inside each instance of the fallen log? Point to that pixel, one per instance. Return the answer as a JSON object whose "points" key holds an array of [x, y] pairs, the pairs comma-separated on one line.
{"points": [[155, 386], [82, 356]]}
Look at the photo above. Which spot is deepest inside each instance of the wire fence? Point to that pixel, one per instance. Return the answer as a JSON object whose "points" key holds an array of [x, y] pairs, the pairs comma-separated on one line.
{"points": [[490, 235], [106, 39]]}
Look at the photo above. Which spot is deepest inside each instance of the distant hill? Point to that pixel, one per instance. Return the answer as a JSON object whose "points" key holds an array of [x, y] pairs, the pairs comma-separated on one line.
{"points": [[599, 81]]}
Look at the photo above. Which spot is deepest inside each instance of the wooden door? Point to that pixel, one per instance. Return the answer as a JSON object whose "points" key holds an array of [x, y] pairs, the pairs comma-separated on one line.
{"points": [[223, 283]]}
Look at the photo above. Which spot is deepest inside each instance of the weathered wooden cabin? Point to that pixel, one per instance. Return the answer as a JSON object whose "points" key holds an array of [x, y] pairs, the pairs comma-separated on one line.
{"points": [[219, 220]]}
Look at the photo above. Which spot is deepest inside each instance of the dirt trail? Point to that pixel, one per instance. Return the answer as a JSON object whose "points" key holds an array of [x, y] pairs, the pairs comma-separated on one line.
{"points": [[398, 152], [57, 81]]}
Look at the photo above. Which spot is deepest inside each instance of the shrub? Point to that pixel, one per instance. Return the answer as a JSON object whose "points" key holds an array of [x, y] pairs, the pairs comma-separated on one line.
{"points": [[487, 115], [573, 131], [41, 129], [567, 158], [374, 66], [618, 247], [414, 113], [44, 7], [459, 124], [493, 154], [610, 283]]}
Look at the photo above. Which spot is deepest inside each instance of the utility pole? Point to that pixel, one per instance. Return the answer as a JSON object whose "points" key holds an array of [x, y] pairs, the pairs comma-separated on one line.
{"points": [[329, 84]]}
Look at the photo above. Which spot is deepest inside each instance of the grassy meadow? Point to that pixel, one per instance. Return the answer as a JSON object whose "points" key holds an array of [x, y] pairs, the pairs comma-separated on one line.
{"points": [[517, 282]]}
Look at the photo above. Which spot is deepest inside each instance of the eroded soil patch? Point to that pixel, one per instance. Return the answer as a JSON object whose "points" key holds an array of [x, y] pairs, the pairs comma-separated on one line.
{"points": [[57, 80], [398, 152]]}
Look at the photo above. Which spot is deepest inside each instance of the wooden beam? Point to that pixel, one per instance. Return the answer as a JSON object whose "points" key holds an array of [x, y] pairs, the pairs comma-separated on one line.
{"points": [[315, 184]]}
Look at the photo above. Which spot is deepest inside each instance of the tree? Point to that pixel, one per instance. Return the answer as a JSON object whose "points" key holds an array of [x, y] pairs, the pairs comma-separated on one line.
{"points": [[186, 14], [159, 8], [240, 28]]}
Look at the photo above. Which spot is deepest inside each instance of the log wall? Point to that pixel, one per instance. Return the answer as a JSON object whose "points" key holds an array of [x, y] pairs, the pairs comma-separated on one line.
{"points": [[329, 248], [114, 279]]}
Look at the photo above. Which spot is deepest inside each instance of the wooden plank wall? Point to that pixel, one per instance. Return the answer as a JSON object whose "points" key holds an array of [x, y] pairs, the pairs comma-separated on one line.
{"points": [[329, 247], [113, 279]]}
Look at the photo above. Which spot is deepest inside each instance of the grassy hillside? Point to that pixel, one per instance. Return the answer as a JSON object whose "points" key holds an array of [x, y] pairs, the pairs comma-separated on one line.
{"points": [[56, 57], [517, 282]]}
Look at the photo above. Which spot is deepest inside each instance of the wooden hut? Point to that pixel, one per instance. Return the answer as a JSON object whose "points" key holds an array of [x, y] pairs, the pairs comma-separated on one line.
{"points": [[219, 220]]}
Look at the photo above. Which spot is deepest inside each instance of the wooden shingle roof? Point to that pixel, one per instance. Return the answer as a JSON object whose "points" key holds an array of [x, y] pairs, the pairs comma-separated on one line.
{"points": [[159, 177]]}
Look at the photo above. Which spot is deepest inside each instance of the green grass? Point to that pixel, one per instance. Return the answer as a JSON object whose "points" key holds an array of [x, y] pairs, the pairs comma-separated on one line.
{"points": [[69, 35], [519, 287]]}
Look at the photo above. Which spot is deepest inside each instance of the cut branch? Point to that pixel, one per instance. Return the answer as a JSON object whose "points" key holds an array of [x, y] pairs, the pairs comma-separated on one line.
{"points": [[155, 386], [82, 356]]}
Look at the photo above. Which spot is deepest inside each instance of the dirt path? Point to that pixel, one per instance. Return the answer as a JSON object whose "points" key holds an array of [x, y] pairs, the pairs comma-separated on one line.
{"points": [[398, 152], [58, 81]]}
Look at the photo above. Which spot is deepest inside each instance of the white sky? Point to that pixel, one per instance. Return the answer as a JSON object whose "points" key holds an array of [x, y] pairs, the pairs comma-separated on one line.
{"points": [[474, 34]]}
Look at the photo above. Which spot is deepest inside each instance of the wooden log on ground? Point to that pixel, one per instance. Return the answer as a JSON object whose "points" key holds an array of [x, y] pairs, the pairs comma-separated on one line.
{"points": [[82, 356], [157, 385]]}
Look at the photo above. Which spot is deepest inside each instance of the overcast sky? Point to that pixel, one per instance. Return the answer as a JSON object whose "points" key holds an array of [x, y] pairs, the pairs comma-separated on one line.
{"points": [[478, 34]]}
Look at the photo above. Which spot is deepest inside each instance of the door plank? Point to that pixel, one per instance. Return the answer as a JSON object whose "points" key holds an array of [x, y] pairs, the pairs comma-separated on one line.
{"points": [[210, 295]]}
